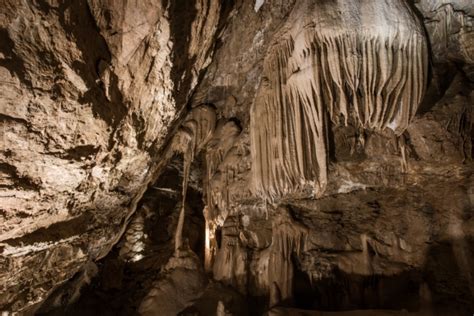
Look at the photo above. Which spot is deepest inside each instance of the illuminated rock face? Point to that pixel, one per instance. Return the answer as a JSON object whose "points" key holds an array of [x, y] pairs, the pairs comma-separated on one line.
{"points": [[236, 157], [363, 62], [89, 91]]}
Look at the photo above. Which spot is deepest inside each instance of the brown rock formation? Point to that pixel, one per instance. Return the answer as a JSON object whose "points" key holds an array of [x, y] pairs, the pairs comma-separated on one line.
{"points": [[231, 158], [89, 92]]}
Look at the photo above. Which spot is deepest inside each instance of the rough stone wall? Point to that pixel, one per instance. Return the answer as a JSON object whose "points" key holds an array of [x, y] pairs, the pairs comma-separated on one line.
{"points": [[88, 93], [91, 93], [385, 211]]}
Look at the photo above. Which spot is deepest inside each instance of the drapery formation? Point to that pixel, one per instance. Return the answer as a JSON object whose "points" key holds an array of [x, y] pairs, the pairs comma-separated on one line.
{"points": [[363, 63]]}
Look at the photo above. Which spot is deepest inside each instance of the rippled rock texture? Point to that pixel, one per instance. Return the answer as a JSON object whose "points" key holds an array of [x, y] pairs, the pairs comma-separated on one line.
{"points": [[236, 157]]}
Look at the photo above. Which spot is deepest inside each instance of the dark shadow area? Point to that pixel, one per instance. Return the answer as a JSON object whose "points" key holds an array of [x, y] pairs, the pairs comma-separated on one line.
{"points": [[449, 274], [440, 80], [11, 61], [303, 292], [233, 301], [444, 286], [182, 13], [344, 144], [343, 292]]}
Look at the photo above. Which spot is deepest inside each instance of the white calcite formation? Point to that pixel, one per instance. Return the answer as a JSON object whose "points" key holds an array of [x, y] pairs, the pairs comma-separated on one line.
{"points": [[135, 238], [363, 62]]}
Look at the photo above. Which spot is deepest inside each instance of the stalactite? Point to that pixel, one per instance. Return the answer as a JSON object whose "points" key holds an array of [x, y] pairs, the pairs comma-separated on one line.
{"points": [[188, 158], [217, 151], [403, 150], [200, 132], [354, 67], [218, 154], [190, 139], [367, 266], [272, 271]]}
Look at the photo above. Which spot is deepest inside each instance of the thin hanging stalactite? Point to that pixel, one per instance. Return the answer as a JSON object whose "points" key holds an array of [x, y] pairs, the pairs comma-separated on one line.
{"points": [[188, 159]]}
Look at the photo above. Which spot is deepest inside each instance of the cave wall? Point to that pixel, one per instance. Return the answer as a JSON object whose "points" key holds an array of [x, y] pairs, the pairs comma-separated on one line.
{"points": [[89, 93], [96, 99], [409, 170]]}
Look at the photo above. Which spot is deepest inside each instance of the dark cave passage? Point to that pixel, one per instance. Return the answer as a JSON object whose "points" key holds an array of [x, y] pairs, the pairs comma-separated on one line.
{"points": [[345, 292]]}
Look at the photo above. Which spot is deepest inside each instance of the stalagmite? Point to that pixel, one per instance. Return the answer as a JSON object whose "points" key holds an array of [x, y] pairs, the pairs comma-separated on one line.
{"points": [[230, 266], [135, 238], [352, 62], [207, 243]]}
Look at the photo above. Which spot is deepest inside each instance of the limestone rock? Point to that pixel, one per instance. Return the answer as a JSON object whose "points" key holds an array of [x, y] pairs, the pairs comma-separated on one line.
{"points": [[236, 157], [88, 93]]}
